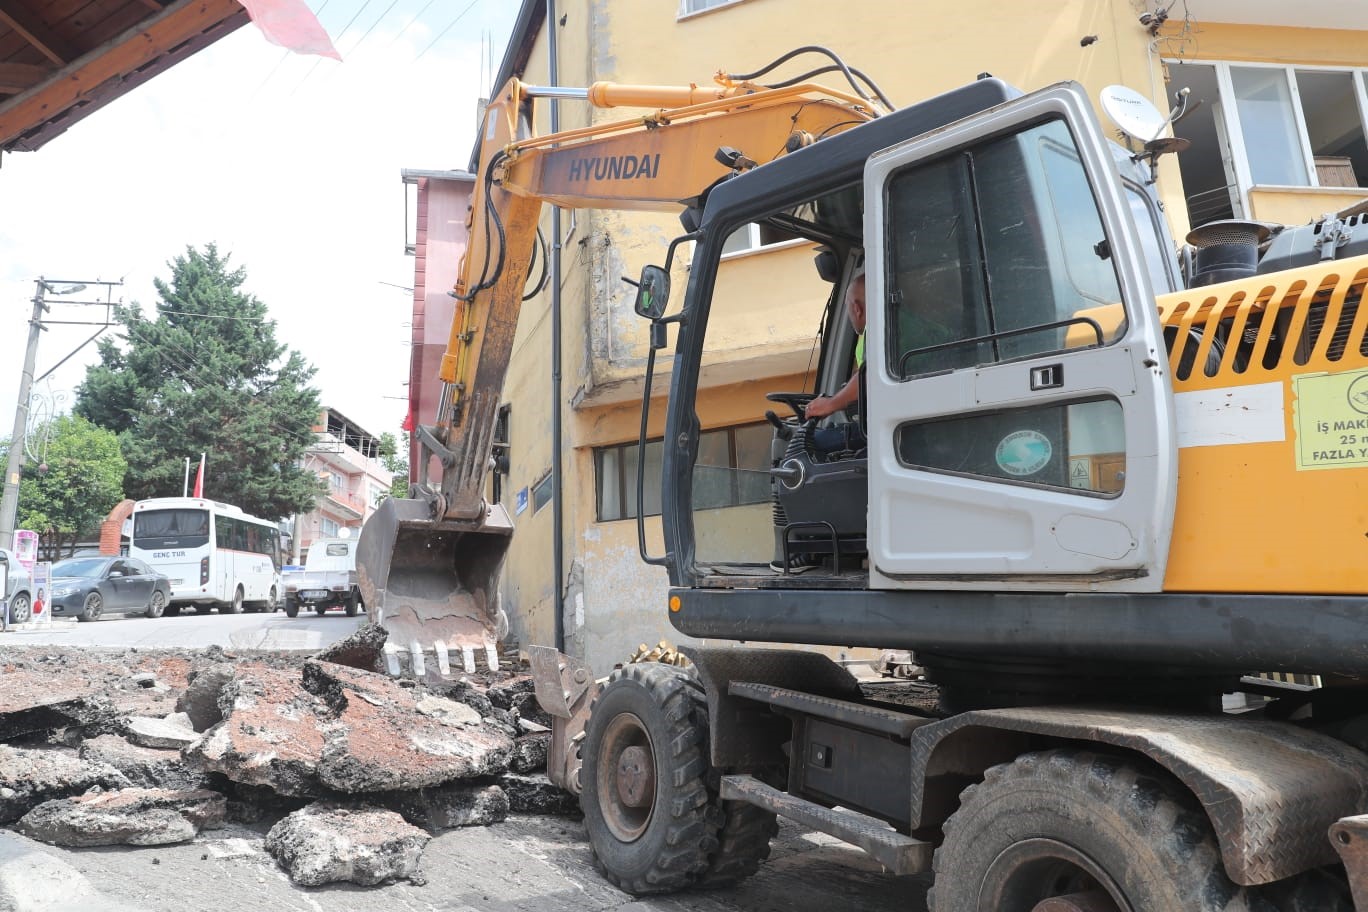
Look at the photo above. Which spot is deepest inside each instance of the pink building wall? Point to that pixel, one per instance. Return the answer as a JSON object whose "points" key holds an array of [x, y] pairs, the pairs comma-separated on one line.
{"points": [[440, 242]]}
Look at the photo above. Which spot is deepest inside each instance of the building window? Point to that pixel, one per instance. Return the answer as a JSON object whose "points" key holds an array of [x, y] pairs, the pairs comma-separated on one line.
{"points": [[688, 7], [541, 493], [329, 527], [754, 236], [1267, 125], [732, 469]]}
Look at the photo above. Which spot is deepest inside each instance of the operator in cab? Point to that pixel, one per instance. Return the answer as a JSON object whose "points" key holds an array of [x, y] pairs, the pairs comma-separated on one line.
{"points": [[846, 436]]}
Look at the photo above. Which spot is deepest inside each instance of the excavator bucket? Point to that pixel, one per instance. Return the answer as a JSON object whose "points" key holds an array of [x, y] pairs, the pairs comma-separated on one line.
{"points": [[433, 586]]}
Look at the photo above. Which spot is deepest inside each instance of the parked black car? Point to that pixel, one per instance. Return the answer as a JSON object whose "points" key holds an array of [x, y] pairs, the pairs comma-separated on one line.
{"points": [[89, 586]]}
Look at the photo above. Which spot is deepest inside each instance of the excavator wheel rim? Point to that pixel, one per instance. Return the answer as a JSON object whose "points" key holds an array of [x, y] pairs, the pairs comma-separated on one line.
{"points": [[1025, 870], [626, 744]]}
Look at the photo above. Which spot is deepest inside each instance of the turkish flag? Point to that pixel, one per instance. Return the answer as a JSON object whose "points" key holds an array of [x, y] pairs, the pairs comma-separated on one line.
{"points": [[199, 478], [292, 25]]}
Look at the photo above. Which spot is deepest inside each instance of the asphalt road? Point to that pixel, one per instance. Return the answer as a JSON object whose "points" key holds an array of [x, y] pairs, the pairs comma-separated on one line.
{"points": [[193, 631], [526, 864]]}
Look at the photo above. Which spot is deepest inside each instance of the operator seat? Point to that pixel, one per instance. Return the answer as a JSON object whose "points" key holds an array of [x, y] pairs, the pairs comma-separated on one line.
{"points": [[822, 500]]}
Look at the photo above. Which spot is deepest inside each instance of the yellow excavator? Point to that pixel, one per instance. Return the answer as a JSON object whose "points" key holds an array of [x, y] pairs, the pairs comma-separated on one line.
{"points": [[1099, 490]]}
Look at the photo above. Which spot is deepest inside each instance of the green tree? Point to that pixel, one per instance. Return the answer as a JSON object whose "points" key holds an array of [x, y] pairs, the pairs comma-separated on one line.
{"points": [[205, 374], [394, 457], [75, 486]]}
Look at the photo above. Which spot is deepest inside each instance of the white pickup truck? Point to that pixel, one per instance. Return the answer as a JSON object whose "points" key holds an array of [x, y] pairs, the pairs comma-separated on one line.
{"points": [[328, 579]]}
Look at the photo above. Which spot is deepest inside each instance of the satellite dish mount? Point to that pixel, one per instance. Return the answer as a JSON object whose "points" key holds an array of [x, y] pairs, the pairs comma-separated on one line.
{"points": [[1140, 121]]}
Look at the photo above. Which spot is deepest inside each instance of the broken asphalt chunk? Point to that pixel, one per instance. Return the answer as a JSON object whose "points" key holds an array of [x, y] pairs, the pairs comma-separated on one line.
{"points": [[133, 816], [30, 777], [529, 752], [538, 795], [32, 702], [145, 767], [448, 806], [200, 699], [272, 736], [324, 843], [167, 734], [364, 649], [390, 738]]}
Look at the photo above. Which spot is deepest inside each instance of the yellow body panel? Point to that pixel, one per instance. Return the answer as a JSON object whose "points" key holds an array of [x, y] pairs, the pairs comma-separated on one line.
{"points": [[1272, 432]]}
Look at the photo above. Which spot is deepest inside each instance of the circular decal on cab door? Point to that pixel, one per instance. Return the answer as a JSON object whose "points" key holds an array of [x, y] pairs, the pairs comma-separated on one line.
{"points": [[1023, 452]]}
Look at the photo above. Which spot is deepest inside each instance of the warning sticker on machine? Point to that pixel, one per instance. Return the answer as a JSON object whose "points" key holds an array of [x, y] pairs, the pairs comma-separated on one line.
{"points": [[1331, 418]]}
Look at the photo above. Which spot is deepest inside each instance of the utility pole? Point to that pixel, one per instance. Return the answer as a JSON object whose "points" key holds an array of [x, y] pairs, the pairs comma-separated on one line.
{"points": [[9, 504]]}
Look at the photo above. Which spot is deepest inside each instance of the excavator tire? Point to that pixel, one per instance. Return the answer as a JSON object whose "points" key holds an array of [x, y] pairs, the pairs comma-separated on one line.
{"points": [[744, 831], [1071, 822], [646, 805]]}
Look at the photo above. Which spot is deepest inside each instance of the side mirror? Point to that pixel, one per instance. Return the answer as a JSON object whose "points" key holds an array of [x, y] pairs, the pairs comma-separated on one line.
{"points": [[653, 292], [116, 574]]}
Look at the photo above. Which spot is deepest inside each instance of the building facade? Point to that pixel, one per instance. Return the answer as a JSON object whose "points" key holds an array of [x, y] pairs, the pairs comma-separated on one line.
{"points": [[346, 457], [1278, 134]]}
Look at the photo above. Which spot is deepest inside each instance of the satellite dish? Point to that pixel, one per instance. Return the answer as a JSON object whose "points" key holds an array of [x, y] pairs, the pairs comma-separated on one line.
{"points": [[344, 532], [1135, 114]]}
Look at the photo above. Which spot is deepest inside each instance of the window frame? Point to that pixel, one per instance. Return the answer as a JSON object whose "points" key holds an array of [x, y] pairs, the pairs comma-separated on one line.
{"points": [[1234, 134], [627, 485], [687, 11]]}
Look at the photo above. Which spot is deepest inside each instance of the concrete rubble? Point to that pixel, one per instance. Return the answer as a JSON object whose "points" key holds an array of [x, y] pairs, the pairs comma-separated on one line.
{"points": [[28, 777], [350, 770], [132, 816], [324, 843], [168, 733], [145, 767]]}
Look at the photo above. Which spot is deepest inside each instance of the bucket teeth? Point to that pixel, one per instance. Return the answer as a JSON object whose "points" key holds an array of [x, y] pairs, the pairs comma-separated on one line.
{"points": [[419, 660]]}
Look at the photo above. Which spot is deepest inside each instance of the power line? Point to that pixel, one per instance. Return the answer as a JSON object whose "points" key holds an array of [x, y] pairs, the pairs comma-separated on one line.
{"points": [[459, 17], [409, 24], [354, 17], [366, 34], [284, 55]]}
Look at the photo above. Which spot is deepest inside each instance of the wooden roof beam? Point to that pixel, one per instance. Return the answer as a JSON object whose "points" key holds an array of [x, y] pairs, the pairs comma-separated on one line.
{"points": [[33, 30], [33, 117], [20, 77]]}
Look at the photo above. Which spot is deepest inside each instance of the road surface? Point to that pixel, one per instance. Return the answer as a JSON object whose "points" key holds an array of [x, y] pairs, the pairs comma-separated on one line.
{"points": [[192, 631], [526, 864]]}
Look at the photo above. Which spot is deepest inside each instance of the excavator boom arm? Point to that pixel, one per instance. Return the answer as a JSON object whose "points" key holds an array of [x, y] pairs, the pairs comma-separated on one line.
{"points": [[661, 161]]}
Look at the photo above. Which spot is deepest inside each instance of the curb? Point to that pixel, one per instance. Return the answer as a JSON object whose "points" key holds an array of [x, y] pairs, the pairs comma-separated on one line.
{"points": [[31, 880], [65, 625]]}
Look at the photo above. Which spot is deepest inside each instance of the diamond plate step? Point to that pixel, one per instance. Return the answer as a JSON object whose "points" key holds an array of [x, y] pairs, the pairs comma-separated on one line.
{"points": [[898, 853]]}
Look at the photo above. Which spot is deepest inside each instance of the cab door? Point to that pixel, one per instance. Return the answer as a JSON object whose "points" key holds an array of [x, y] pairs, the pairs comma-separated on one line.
{"points": [[1019, 413]]}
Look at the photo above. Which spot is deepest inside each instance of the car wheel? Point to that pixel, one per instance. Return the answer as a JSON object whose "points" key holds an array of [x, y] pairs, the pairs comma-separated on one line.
{"points": [[235, 606], [273, 604], [352, 601], [156, 606], [93, 607], [21, 609], [291, 608], [321, 608]]}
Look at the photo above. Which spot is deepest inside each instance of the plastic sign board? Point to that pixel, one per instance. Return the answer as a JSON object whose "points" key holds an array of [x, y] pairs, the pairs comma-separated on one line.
{"points": [[42, 594], [26, 548]]}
